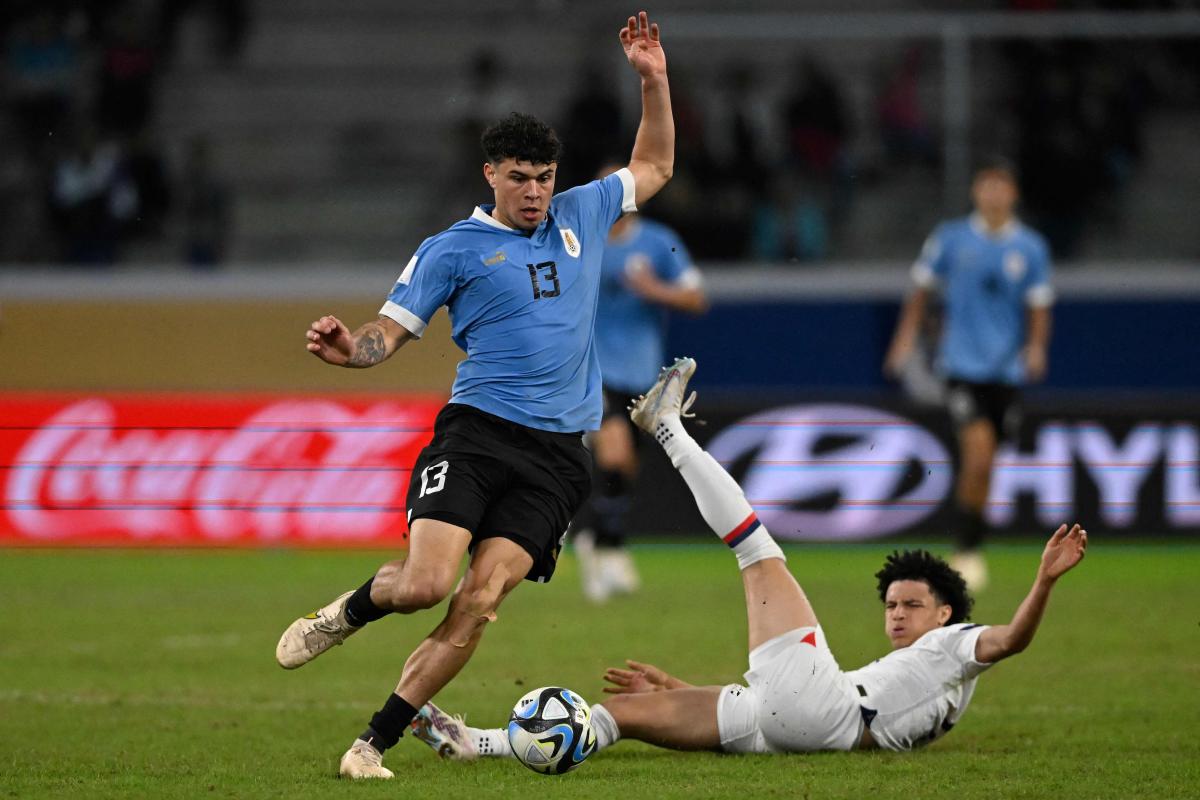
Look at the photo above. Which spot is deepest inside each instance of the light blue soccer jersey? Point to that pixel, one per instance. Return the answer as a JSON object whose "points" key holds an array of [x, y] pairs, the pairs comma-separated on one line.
{"points": [[986, 280], [629, 330], [522, 307]]}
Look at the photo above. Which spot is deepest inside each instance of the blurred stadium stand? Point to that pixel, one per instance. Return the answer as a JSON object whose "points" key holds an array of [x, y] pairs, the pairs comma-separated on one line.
{"points": [[337, 131]]}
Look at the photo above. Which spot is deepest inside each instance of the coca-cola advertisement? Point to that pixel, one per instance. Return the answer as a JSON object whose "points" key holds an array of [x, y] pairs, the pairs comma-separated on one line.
{"points": [[204, 470]]}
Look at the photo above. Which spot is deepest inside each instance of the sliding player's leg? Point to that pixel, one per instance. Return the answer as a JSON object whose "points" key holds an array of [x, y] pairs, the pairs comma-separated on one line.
{"points": [[678, 719], [775, 603]]}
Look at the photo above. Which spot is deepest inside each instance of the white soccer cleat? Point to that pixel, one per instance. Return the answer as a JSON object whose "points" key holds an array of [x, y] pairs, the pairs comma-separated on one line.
{"points": [[447, 735], [313, 634], [665, 398], [617, 571], [363, 761], [973, 567], [594, 587]]}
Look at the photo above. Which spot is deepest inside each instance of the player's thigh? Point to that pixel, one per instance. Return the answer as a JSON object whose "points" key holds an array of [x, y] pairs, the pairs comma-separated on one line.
{"points": [[977, 444], [549, 487], [435, 551]]}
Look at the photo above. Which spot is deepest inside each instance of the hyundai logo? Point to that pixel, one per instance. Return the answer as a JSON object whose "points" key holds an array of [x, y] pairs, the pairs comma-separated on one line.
{"points": [[835, 471]]}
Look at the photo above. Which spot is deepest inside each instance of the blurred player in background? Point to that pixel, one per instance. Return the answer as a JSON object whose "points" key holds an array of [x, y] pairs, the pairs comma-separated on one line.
{"points": [[993, 275], [646, 270], [797, 699], [507, 468]]}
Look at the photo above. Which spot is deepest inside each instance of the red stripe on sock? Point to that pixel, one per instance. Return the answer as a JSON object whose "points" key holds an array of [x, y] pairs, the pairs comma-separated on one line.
{"points": [[740, 529]]}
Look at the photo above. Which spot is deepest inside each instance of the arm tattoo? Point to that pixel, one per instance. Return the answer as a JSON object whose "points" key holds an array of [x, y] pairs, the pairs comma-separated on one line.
{"points": [[369, 347]]}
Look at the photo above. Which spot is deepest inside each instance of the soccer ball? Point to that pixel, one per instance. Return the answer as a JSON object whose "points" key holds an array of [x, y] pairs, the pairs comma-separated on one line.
{"points": [[550, 730]]}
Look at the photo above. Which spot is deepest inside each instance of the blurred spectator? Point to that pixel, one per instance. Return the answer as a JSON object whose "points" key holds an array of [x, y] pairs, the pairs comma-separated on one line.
{"points": [[592, 130], [815, 118], [229, 21], [817, 130], [206, 208], [147, 170], [789, 222], [485, 95], [907, 137], [128, 70], [92, 198], [43, 69]]}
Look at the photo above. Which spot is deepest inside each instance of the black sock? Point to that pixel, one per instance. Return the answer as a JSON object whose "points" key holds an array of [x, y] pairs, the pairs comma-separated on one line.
{"points": [[359, 608], [389, 722], [971, 529], [611, 503]]}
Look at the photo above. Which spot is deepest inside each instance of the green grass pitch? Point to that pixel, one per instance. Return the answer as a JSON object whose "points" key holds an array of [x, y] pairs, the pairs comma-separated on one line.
{"points": [[151, 674]]}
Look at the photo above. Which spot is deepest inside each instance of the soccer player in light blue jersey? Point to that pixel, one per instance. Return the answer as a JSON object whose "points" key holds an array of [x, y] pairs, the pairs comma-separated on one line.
{"points": [[507, 469], [993, 274], [646, 271]]}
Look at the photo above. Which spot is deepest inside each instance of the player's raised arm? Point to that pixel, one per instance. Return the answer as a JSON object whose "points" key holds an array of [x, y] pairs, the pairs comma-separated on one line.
{"points": [[1064, 550], [331, 341], [653, 157]]}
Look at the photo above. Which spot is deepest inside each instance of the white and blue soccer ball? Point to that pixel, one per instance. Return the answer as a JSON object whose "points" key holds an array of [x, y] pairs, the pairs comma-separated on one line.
{"points": [[550, 730]]}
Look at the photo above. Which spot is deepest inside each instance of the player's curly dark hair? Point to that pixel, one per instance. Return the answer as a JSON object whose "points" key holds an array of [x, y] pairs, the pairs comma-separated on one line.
{"points": [[943, 580], [522, 137]]}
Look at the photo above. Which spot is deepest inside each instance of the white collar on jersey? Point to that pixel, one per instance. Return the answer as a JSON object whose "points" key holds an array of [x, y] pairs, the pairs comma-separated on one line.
{"points": [[1007, 230], [482, 216]]}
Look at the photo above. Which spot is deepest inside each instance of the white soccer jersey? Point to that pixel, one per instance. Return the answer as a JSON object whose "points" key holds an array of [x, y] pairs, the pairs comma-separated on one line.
{"points": [[915, 694]]}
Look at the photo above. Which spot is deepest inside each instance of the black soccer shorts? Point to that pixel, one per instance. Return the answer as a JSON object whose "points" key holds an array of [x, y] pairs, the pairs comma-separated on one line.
{"points": [[497, 478], [998, 403]]}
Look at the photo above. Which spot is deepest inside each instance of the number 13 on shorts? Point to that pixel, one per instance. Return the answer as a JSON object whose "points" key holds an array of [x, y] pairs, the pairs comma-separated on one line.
{"points": [[433, 478]]}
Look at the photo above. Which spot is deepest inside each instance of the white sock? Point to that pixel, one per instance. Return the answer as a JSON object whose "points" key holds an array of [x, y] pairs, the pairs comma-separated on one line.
{"points": [[720, 500], [490, 742], [607, 732]]}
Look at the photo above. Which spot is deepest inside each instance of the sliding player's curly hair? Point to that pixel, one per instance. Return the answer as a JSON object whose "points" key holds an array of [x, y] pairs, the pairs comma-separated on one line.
{"points": [[522, 137], [944, 581]]}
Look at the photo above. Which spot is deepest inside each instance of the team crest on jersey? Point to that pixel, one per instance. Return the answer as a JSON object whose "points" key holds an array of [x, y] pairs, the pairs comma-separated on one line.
{"points": [[570, 242], [1014, 265]]}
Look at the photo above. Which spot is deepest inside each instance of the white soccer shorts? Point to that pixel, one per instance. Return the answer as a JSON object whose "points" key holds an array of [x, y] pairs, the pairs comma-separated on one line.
{"points": [[797, 700]]}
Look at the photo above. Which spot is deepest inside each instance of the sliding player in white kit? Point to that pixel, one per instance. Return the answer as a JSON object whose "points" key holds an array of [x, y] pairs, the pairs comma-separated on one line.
{"points": [[797, 698]]}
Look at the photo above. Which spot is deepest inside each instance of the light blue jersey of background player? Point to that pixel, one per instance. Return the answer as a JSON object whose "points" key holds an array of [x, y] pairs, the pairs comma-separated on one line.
{"points": [[986, 279], [522, 306], [629, 327]]}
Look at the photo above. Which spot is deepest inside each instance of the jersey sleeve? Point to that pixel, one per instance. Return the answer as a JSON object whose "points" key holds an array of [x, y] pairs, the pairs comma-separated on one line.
{"points": [[929, 270], [959, 643], [1039, 292], [423, 287], [603, 200], [674, 263]]}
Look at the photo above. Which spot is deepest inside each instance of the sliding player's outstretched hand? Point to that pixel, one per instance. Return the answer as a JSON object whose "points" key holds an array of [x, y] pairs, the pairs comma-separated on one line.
{"points": [[640, 40], [1064, 550], [637, 679], [330, 340]]}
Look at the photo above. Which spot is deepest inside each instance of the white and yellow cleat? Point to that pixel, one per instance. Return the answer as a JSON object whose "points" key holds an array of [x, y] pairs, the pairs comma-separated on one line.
{"points": [[448, 736], [363, 761], [666, 397], [314, 633]]}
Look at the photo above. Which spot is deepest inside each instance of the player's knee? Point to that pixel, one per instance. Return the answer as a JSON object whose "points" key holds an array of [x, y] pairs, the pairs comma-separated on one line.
{"points": [[417, 591]]}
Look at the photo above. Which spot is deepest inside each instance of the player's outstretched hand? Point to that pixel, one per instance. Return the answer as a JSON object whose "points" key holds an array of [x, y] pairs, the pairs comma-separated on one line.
{"points": [[640, 40], [1065, 549], [330, 340], [637, 679]]}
